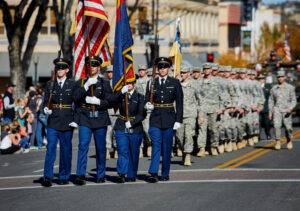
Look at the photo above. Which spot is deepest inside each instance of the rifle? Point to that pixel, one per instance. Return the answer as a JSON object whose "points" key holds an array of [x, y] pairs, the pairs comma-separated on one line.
{"points": [[152, 84], [52, 81]]}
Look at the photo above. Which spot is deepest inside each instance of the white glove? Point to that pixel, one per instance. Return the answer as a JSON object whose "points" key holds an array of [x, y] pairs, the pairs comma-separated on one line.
{"points": [[47, 111], [149, 106], [89, 82], [124, 89], [73, 124], [176, 126], [127, 124], [92, 100]]}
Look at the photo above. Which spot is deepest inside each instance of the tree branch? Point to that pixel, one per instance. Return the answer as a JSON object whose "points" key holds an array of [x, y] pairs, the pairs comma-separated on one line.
{"points": [[134, 8], [7, 19], [25, 20], [33, 36]]}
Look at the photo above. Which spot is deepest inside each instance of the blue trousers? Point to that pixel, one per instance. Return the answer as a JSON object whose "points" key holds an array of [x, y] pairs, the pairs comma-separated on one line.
{"points": [[65, 156], [85, 135], [128, 146], [162, 140]]}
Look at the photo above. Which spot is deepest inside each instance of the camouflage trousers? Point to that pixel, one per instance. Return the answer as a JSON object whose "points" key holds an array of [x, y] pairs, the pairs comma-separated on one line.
{"points": [[110, 140], [146, 139], [252, 123], [241, 127], [282, 119], [227, 128], [185, 134], [208, 127]]}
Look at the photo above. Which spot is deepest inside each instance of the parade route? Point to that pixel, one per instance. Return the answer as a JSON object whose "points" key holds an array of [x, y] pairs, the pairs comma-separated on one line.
{"points": [[252, 178]]}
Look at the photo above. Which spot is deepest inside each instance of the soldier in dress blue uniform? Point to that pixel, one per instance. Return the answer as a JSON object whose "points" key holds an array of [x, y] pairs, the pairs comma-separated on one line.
{"points": [[58, 104], [93, 97], [129, 133], [164, 118]]}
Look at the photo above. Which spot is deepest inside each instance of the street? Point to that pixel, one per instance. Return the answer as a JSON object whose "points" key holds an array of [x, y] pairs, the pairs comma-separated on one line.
{"points": [[256, 177]]}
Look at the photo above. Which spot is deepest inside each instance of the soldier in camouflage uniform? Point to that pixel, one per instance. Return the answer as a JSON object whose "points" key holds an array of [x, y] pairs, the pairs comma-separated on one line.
{"points": [[209, 96], [282, 101], [227, 102], [110, 140], [141, 85], [264, 115], [258, 100], [197, 74], [243, 107], [190, 104]]}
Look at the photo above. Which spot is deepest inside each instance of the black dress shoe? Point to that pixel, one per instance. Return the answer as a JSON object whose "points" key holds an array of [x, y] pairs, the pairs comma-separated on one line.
{"points": [[100, 180], [63, 182], [80, 180], [46, 182], [166, 178], [131, 180], [153, 178], [121, 178]]}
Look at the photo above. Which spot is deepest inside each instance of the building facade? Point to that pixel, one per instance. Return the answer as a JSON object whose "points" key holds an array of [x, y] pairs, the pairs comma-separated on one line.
{"points": [[199, 32]]}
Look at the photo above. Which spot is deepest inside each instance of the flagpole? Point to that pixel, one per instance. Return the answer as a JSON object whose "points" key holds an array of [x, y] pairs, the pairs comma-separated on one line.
{"points": [[89, 60], [126, 94]]}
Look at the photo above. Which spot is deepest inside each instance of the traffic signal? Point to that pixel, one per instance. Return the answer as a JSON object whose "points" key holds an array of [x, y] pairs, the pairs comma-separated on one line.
{"points": [[248, 5], [210, 57]]}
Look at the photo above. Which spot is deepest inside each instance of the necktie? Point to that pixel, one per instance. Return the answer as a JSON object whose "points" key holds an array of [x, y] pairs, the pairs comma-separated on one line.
{"points": [[162, 82], [60, 84]]}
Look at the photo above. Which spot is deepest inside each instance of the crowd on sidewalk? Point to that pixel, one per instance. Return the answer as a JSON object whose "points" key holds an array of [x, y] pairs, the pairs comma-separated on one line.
{"points": [[23, 123]]}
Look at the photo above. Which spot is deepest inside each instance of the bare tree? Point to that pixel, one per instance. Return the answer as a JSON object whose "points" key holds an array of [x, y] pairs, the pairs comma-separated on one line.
{"points": [[63, 26], [16, 27]]}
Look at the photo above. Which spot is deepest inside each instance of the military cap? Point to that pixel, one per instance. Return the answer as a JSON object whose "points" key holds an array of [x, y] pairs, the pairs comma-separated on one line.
{"points": [[261, 76], [242, 70], [185, 69], [60, 63], [109, 68], [163, 60], [281, 73], [227, 68], [196, 69], [96, 61], [149, 71], [142, 67], [215, 67], [207, 66]]}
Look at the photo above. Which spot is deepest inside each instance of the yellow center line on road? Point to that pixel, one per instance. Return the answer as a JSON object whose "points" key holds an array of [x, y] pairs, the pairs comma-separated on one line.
{"points": [[251, 155]]}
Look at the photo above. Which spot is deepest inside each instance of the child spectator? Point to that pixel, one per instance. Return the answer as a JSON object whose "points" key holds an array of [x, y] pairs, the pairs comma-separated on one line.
{"points": [[22, 112], [13, 142]]}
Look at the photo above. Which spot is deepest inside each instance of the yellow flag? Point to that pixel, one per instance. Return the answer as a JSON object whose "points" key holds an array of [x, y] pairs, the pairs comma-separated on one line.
{"points": [[176, 56]]}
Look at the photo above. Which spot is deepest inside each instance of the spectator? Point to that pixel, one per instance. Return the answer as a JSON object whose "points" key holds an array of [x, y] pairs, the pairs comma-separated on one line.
{"points": [[13, 142], [4, 131], [9, 104], [32, 104], [22, 112], [41, 119]]}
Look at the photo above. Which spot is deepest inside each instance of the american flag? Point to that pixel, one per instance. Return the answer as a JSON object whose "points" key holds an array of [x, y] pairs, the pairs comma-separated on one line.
{"points": [[92, 29], [286, 48]]}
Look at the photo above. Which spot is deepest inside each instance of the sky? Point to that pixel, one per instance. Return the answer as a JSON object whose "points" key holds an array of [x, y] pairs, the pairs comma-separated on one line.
{"points": [[275, 1]]}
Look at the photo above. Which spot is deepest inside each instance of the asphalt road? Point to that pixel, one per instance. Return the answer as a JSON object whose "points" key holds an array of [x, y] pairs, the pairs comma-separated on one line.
{"points": [[254, 178]]}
